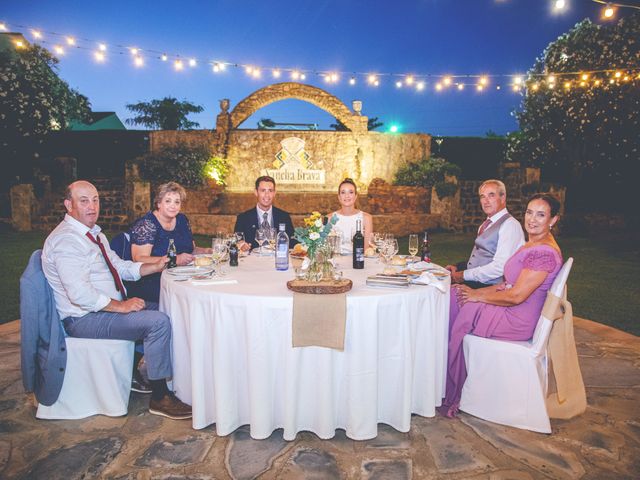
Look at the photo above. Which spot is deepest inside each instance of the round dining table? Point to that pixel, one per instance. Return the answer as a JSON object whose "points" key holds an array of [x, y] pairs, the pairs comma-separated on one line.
{"points": [[234, 363]]}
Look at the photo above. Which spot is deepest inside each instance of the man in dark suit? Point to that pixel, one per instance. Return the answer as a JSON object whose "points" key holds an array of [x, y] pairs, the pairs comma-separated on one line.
{"points": [[264, 214]]}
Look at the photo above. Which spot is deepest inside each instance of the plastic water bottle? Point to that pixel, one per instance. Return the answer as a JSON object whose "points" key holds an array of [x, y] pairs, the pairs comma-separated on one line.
{"points": [[282, 249]]}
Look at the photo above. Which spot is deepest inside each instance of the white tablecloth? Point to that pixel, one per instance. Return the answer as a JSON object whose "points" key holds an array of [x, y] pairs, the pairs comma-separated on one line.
{"points": [[234, 363]]}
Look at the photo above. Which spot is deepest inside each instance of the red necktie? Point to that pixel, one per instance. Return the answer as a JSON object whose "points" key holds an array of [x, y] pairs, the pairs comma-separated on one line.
{"points": [[484, 226], [114, 272]]}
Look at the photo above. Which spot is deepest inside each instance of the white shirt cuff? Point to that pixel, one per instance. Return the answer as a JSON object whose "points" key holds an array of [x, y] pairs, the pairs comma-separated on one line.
{"points": [[102, 302]]}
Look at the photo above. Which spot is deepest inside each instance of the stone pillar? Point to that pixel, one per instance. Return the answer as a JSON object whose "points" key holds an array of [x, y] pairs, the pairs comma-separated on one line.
{"points": [[22, 206], [138, 198], [450, 208]]}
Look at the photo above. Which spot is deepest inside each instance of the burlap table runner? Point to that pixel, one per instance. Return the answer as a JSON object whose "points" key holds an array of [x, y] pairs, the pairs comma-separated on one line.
{"points": [[319, 320], [566, 397]]}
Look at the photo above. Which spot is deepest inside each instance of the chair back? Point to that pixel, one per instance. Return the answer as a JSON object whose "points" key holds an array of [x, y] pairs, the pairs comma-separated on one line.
{"points": [[121, 244], [543, 328]]}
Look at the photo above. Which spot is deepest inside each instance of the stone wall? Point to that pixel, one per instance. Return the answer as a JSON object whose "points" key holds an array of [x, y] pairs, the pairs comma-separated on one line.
{"points": [[362, 157], [386, 198]]}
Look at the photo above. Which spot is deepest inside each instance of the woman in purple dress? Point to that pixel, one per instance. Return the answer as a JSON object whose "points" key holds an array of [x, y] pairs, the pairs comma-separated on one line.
{"points": [[510, 310], [150, 237]]}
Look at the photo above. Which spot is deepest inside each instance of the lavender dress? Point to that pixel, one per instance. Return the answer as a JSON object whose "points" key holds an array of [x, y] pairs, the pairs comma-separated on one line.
{"points": [[517, 322]]}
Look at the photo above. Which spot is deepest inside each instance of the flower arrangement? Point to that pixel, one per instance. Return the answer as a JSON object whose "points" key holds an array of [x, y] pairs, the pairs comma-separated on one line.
{"points": [[314, 233]]}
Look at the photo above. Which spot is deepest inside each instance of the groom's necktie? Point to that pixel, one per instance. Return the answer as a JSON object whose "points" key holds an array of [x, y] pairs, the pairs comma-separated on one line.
{"points": [[114, 272], [265, 220], [484, 226]]}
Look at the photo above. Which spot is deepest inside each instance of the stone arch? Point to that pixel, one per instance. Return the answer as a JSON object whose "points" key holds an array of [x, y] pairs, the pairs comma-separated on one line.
{"points": [[299, 91]]}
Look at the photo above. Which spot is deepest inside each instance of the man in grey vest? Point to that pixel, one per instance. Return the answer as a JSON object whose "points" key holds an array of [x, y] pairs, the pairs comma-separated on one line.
{"points": [[499, 236]]}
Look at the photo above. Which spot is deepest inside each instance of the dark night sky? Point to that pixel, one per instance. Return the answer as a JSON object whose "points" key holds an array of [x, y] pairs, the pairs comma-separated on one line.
{"points": [[421, 37]]}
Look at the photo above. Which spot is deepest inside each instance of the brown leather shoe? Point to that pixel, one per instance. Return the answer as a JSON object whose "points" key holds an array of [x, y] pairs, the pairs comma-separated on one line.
{"points": [[170, 406]]}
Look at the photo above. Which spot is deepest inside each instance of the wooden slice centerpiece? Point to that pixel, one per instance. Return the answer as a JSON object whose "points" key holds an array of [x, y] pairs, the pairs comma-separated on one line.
{"points": [[323, 287]]}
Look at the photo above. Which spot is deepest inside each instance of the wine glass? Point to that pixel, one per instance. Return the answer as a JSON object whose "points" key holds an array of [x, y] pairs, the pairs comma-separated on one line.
{"points": [[378, 240], [272, 236], [413, 244], [260, 238], [387, 251], [219, 251]]}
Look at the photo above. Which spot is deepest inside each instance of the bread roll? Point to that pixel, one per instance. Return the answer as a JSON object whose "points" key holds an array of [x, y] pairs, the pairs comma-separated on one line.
{"points": [[370, 252], [399, 261], [203, 261]]}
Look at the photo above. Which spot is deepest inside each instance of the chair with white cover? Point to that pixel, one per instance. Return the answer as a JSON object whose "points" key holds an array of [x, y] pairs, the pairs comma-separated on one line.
{"points": [[97, 380], [507, 380], [70, 377]]}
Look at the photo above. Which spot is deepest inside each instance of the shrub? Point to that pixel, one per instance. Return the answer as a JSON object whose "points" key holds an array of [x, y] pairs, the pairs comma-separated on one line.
{"points": [[191, 166], [429, 172]]}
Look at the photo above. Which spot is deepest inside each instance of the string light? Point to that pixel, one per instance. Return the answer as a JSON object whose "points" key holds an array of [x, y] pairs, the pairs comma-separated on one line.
{"points": [[608, 11], [548, 80], [559, 5]]}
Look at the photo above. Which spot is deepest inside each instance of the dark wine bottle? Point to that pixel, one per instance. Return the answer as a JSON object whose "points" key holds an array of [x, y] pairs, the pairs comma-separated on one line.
{"points": [[425, 255], [358, 247]]}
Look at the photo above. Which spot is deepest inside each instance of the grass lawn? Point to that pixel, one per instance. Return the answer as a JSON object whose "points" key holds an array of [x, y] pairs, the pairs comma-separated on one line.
{"points": [[604, 284]]}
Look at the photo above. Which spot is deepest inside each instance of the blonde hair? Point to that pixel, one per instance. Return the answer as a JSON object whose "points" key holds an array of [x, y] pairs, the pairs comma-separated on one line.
{"points": [[169, 187]]}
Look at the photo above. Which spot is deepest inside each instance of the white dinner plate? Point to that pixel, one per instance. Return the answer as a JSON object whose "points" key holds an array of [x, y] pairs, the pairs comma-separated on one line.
{"points": [[190, 270]]}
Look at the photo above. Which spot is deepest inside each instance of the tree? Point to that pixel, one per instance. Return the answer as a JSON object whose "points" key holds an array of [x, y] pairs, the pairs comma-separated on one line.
{"points": [[33, 101], [165, 114], [265, 123], [372, 124], [584, 131]]}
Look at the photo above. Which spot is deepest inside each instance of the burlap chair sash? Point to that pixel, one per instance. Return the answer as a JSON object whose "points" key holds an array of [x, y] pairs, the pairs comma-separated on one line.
{"points": [[566, 396]]}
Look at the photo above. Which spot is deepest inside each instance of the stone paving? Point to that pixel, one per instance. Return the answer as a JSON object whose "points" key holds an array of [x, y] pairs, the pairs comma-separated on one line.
{"points": [[602, 443]]}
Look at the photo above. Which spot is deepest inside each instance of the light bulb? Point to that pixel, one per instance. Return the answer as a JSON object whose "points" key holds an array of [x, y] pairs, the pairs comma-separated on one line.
{"points": [[302, 76], [559, 4], [398, 84], [276, 73], [99, 56], [58, 49], [446, 81], [71, 41], [3, 26], [438, 86], [409, 80], [192, 62], [36, 34], [102, 47], [371, 78], [134, 51], [608, 11], [138, 61], [420, 85], [352, 81], [178, 65], [164, 57], [461, 86]]}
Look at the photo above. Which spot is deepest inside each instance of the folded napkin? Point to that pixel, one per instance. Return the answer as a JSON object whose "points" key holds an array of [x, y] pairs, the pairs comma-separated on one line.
{"points": [[214, 281], [428, 278], [319, 320]]}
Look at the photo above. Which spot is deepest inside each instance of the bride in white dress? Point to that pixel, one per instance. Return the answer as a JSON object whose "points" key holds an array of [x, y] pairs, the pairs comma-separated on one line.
{"points": [[348, 214]]}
